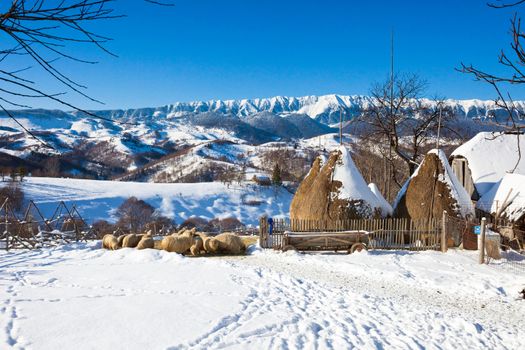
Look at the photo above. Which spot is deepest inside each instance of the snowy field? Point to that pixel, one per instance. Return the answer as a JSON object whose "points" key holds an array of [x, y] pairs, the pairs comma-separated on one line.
{"points": [[82, 297], [98, 199]]}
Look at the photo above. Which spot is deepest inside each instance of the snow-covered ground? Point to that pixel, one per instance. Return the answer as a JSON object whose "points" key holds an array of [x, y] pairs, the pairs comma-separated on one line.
{"points": [[82, 297], [98, 199]]}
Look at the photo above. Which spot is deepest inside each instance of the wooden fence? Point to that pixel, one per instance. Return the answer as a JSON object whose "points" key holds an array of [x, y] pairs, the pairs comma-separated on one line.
{"points": [[383, 233], [30, 229]]}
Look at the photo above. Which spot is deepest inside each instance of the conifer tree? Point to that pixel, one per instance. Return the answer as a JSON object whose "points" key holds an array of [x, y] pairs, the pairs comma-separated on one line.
{"points": [[276, 175]]}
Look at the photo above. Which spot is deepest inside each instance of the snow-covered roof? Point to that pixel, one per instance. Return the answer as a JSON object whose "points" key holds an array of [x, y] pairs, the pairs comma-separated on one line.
{"points": [[354, 186], [510, 189], [490, 156], [385, 206]]}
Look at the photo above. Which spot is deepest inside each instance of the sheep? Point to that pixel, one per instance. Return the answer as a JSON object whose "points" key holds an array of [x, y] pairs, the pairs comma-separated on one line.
{"points": [[146, 242], [110, 242], [120, 239], [230, 243], [131, 241], [189, 233], [197, 246], [180, 244], [211, 245]]}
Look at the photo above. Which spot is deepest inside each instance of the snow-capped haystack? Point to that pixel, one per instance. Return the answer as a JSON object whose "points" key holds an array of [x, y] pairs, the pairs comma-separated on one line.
{"points": [[506, 198], [335, 190], [385, 206], [431, 189]]}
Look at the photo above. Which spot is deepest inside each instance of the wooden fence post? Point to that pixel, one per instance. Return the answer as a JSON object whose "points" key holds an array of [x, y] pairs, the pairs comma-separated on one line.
{"points": [[262, 238], [444, 232], [482, 241]]}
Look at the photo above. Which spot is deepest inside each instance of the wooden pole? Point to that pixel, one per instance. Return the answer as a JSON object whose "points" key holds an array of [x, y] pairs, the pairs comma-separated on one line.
{"points": [[6, 226], [482, 241], [439, 126], [444, 232], [341, 127]]}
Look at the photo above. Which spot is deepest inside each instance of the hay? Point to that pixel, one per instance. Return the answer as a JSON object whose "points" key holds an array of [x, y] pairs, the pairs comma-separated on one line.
{"points": [[131, 241], [427, 195], [110, 242], [317, 197]]}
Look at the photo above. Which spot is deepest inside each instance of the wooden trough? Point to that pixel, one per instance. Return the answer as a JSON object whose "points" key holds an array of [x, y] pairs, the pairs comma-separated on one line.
{"points": [[349, 241]]}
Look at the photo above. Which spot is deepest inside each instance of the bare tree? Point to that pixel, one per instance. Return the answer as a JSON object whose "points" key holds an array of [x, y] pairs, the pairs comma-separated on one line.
{"points": [[43, 32], [134, 214], [14, 193], [399, 117], [514, 64]]}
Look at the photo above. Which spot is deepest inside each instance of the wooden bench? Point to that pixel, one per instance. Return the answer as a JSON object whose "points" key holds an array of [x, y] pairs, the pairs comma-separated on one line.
{"points": [[349, 241]]}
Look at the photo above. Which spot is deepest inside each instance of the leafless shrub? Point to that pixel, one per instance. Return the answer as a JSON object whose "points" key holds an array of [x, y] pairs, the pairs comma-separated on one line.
{"points": [[134, 214], [14, 193], [195, 221]]}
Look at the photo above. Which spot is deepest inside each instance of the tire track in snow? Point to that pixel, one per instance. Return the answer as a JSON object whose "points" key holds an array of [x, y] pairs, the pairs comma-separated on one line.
{"points": [[294, 307]]}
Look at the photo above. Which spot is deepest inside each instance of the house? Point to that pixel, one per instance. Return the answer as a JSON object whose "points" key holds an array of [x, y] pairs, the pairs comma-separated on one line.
{"points": [[262, 180], [484, 160], [506, 200]]}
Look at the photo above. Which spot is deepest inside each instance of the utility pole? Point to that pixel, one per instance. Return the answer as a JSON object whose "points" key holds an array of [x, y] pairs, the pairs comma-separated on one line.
{"points": [[341, 127], [390, 166], [439, 125]]}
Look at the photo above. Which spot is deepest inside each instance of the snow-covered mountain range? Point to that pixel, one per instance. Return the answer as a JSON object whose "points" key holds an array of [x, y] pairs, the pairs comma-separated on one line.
{"points": [[324, 108], [126, 141]]}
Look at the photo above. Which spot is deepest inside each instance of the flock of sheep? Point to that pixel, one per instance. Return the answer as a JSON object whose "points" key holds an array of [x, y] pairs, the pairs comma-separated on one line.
{"points": [[182, 242]]}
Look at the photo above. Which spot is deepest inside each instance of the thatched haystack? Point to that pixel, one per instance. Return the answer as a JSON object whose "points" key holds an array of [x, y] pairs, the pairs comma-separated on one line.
{"points": [[334, 190], [432, 189]]}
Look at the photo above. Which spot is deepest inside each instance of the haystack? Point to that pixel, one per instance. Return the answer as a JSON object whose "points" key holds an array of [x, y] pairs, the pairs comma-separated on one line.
{"points": [[335, 190], [432, 189]]}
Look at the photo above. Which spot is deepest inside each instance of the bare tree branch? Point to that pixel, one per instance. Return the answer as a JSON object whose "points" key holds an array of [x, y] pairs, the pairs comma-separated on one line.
{"points": [[43, 32]]}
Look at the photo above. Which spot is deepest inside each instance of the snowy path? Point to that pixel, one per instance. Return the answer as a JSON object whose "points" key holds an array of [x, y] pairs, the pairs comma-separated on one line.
{"points": [[88, 298]]}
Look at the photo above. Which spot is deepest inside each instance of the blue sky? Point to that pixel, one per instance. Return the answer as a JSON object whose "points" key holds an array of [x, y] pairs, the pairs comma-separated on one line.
{"points": [[229, 49]]}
